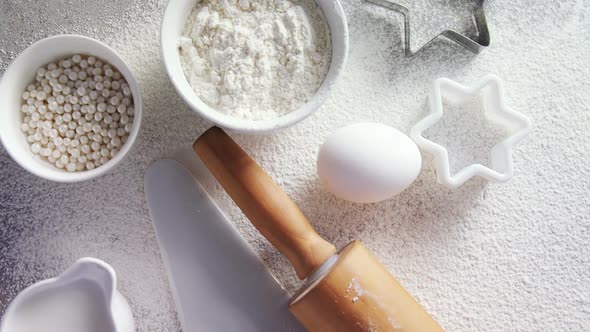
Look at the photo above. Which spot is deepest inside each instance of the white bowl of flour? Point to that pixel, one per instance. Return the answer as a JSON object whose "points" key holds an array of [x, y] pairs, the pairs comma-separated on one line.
{"points": [[254, 65]]}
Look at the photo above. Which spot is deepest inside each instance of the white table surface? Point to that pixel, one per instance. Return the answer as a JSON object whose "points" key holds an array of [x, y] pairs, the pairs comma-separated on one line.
{"points": [[485, 257]]}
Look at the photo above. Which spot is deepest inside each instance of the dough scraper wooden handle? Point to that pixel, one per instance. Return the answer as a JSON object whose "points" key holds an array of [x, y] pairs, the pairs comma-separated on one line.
{"points": [[350, 291]]}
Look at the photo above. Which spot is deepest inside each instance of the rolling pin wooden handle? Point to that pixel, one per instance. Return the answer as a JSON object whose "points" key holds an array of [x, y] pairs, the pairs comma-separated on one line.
{"points": [[267, 206]]}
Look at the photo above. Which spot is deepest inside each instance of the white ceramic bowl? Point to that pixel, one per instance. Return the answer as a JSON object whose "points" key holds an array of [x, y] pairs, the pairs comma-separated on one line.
{"points": [[172, 28], [21, 73]]}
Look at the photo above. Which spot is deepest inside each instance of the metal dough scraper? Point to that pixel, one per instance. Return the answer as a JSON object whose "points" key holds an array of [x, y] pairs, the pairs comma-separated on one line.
{"points": [[218, 282]]}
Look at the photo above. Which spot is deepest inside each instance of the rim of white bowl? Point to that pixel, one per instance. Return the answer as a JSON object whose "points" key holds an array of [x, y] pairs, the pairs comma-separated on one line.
{"points": [[48, 171], [338, 26]]}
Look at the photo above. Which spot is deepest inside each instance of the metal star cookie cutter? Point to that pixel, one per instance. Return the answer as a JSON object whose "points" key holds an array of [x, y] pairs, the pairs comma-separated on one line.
{"points": [[490, 89], [476, 45]]}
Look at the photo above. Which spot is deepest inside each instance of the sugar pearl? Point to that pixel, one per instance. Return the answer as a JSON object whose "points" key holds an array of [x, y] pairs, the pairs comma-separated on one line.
{"points": [[77, 113], [46, 152], [73, 76], [35, 148], [64, 159], [52, 106], [101, 107], [75, 153], [116, 141]]}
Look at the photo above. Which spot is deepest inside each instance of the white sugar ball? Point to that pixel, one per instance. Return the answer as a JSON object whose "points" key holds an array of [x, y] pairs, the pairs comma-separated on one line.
{"points": [[75, 153], [77, 113], [116, 141], [124, 119], [64, 159], [36, 148], [46, 152], [101, 107]]}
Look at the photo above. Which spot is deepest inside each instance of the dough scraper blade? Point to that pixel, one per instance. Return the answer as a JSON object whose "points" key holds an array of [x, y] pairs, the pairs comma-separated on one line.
{"points": [[218, 282]]}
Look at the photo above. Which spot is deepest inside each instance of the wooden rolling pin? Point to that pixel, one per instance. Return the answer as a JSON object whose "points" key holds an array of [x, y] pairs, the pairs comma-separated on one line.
{"points": [[346, 291]]}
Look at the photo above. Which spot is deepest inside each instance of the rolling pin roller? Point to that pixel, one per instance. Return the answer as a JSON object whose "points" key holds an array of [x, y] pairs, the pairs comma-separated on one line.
{"points": [[345, 291]]}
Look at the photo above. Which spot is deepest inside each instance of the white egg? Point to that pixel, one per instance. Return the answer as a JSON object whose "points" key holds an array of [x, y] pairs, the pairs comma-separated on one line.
{"points": [[368, 162]]}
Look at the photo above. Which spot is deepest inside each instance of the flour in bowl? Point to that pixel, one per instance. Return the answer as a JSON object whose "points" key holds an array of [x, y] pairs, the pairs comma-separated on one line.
{"points": [[255, 59]]}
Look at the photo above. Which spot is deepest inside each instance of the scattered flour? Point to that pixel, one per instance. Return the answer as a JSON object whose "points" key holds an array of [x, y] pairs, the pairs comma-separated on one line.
{"points": [[255, 59], [522, 242]]}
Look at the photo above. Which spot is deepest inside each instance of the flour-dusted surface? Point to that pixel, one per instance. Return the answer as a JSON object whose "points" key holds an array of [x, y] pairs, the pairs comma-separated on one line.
{"points": [[255, 59], [501, 257]]}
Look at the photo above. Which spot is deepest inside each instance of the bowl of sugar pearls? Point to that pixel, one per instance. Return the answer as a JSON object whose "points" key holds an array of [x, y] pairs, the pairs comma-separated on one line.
{"points": [[70, 109], [254, 66]]}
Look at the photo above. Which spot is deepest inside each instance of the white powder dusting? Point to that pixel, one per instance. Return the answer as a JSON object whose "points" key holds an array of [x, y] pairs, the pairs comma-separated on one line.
{"points": [[255, 59], [463, 254]]}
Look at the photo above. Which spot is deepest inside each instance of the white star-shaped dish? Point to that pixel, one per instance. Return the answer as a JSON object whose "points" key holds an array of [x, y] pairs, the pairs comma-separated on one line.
{"points": [[490, 89]]}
